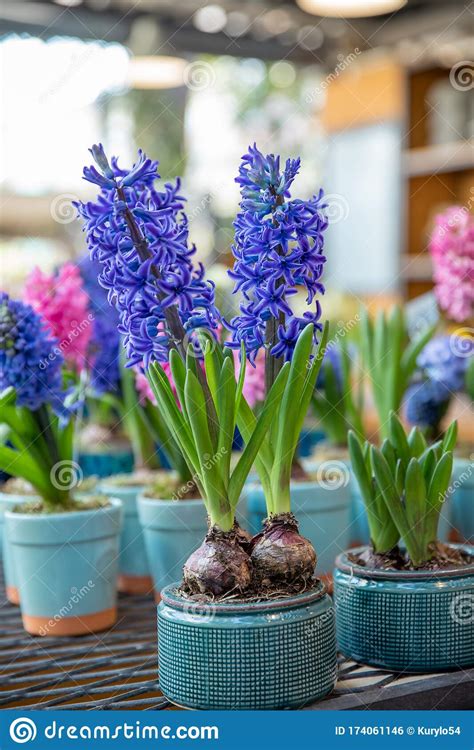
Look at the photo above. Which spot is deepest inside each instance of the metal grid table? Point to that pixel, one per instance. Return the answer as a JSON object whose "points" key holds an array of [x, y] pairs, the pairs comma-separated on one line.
{"points": [[118, 670]]}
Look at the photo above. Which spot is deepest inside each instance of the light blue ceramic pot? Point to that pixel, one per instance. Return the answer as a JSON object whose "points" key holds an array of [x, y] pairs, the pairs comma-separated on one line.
{"points": [[462, 501], [405, 621], [323, 514], [8, 502], [66, 566], [173, 529], [246, 656], [134, 572], [105, 464]]}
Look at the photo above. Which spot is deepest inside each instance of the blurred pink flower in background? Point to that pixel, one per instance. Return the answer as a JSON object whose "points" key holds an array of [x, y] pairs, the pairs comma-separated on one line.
{"points": [[452, 252], [63, 303], [254, 384]]}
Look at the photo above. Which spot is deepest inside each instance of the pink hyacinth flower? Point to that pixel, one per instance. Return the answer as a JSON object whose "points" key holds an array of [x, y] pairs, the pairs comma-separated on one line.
{"points": [[452, 252], [63, 304]]}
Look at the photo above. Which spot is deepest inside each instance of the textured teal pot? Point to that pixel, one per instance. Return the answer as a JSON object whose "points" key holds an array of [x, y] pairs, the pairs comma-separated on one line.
{"points": [[240, 656], [105, 464], [66, 566], [323, 513], [462, 502], [410, 621], [134, 571], [173, 529], [7, 502]]}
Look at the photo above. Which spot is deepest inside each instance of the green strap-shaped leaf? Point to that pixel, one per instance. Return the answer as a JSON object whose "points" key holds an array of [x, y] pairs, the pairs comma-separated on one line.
{"points": [[23, 466], [400, 471], [410, 355], [416, 442], [394, 504], [415, 498], [216, 491], [359, 467], [226, 413], [398, 438], [437, 493], [450, 437], [246, 461], [169, 409], [390, 456]]}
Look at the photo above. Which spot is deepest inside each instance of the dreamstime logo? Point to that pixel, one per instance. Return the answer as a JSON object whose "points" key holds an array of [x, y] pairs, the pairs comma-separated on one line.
{"points": [[199, 75], [337, 208], [332, 475], [22, 730], [461, 75], [65, 475], [462, 609], [461, 342], [205, 611], [196, 347], [62, 209]]}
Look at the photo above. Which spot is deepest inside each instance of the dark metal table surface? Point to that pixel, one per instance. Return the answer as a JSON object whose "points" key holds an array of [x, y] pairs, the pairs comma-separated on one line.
{"points": [[118, 669]]}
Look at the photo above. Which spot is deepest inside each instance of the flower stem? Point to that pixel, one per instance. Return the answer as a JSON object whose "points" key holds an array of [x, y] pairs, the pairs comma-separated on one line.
{"points": [[273, 364], [175, 327]]}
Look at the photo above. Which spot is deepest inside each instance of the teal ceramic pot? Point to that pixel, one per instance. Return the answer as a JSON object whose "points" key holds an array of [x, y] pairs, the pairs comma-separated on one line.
{"points": [[323, 512], [462, 498], [240, 656], [105, 464], [173, 529], [8, 502], [66, 566], [134, 572], [410, 621]]}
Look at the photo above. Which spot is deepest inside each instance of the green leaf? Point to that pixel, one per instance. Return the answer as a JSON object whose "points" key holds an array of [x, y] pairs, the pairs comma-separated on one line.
{"points": [[436, 496], [389, 454], [178, 426], [400, 472], [393, 503], [243, 370], [415, 497], [249, 454], [359, 467], [226, 414], [450, 437], [211, 478], [416, 442], [398, 438], [410, 355], [23, 466]]}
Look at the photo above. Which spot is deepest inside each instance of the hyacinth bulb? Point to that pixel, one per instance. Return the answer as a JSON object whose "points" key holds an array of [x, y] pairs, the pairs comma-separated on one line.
{"points": [[219, 566], [280, 554]]}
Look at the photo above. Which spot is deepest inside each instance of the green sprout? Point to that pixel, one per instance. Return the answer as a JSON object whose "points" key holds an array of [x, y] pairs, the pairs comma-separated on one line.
{"points": [[389, 359], [404, 485]]}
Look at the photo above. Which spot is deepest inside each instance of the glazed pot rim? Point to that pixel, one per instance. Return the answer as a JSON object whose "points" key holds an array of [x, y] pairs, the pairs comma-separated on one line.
{"points": [[171, 598], [115, 502], [344, 565]]}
